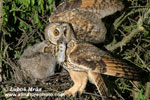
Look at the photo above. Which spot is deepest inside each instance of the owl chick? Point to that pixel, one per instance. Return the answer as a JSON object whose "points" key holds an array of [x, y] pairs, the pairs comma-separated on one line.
{"points": [[35, 63], [84, 61], [85, 17]]}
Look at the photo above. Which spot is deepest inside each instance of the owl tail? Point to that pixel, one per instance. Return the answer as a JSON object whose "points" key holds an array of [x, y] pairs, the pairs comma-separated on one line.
{"points": [[97, 79]]}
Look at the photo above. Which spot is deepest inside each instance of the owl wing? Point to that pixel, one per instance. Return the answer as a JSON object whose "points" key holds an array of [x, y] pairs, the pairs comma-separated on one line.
{"points": [[88, 57], [85, 17], [101, 8], [86, 26]]}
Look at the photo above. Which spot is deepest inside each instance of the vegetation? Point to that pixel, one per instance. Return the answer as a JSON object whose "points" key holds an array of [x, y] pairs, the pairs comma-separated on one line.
{"points": [[128, 37], [23, 24]]}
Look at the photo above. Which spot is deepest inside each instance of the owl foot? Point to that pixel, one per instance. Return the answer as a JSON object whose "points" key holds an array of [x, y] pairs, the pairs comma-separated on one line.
{"points": [[68, 92], [72, 91]]}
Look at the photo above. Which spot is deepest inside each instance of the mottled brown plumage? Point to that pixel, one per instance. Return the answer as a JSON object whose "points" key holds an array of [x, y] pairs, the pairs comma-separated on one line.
{"points": [[85, 17], [84, 61], [92, 58]]}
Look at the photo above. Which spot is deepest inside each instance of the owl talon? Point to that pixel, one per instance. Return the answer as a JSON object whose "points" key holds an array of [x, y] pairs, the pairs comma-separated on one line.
{"points": [[70, 93]]}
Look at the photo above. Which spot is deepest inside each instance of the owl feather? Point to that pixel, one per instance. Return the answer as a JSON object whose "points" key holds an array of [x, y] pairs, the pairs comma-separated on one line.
{"points": [[89, 57], [85, 17]]}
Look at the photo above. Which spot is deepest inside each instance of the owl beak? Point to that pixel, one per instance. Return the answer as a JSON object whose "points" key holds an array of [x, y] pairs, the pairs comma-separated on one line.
{"points": [[61, 40]]}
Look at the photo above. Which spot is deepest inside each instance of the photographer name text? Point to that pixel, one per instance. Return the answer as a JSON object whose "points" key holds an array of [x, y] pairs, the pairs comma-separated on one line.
{"points": [[31, 89]]}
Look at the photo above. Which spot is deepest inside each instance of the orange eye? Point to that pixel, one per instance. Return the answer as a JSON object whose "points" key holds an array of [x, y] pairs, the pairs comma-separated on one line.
{"points": [[56, 32], [46, 49]]}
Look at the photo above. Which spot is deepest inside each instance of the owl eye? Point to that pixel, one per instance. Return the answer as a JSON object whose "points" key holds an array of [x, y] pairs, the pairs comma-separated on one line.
{"points": [[65, 32], [56, 32], [46, 49]]}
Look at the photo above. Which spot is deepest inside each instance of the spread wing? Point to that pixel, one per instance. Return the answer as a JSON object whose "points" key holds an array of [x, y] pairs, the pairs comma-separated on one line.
{"points": [[86, 26], [89, 57], [101, 8], [85, 17]]}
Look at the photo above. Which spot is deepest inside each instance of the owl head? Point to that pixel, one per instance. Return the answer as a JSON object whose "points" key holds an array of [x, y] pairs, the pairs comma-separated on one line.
{"points": [[59, 32]]}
